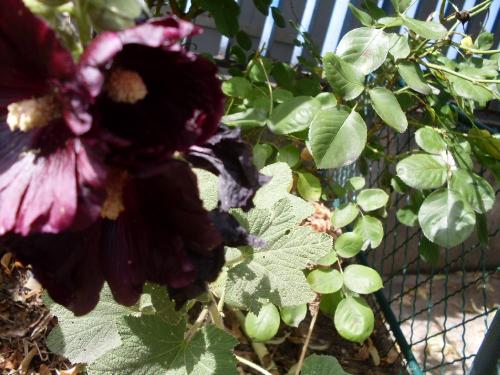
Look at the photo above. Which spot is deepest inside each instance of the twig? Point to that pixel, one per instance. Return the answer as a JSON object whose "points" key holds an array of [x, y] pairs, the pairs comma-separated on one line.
{"points": [[457, 74], [197, 324], [314, 307], [252, 365]]}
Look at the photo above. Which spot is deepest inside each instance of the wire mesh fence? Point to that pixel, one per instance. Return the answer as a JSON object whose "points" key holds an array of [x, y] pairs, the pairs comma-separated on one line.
{"points": [[438, 314]]}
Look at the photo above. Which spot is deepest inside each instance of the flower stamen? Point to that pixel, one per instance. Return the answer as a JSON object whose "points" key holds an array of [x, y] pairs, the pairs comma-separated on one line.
{"points": [[30, 114], [113, 205], [126, 86]]}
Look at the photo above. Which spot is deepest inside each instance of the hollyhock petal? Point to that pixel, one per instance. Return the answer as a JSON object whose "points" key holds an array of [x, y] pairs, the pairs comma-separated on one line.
{"points": [[178, 102], [30, 54], [161, 237], [227, 155], [66, 264], [44, 176]]}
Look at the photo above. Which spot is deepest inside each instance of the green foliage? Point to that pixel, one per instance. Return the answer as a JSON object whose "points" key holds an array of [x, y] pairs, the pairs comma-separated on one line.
{"points": [[264, 325], [365, 48], [362, 279], [370, 229], [337, 137], [273, 272], [446, 218], [325, 281], [84, 339], [354, 319], [150, 346], [322, 365], [293, 315], [348, 244], [387, 107]]}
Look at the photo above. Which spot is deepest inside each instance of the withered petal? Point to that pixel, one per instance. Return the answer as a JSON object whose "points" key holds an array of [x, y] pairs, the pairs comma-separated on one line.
{"points": [[227, 155]]}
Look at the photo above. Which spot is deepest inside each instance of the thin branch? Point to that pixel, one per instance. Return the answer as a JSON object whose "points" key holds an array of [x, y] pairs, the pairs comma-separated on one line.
{"points": [[250, 364], [457, 74], [314, 306]]}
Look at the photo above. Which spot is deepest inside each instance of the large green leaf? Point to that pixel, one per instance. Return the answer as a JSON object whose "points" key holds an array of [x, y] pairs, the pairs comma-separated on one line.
{"points": [[348, 244], [325, 281], [308, 186], [365, 48], [344, 215], [426, 29], [400, 5], [354, 319], [412, 75], [225, 14], [249, 118], [277, 188], [371, 231], [429, 252], [446, 218], [274, 272], [372, 199], [474, 189], [428, 139], [208, 185], [408, 216], [264, 325], [150, 346], [422, 171], [238, 87], [84, 339], [362, 279], [337, 137], [294, 115], [293, 315], [344, 79], [289, 154], [387, 107], [470, 90], [362, 16], [322, 365], [400, 48]]}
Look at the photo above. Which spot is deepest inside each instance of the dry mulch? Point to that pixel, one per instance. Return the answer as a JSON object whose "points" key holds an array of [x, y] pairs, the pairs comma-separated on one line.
{"points": [[25, 323]]}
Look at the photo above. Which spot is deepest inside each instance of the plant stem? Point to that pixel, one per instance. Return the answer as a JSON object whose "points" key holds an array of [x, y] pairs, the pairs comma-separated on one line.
{"points": [[197, 324], [457, 74], [175, 8], [315, 312], [252, 365]]}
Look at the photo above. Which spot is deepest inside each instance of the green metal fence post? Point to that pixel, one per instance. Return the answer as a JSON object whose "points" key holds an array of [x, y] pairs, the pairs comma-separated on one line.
{"points": [[488, 356]]}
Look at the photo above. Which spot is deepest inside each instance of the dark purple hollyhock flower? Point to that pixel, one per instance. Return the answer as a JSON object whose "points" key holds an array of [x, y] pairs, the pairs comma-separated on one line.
{"points": [[161, 234], [49, 179], [151, 96]]}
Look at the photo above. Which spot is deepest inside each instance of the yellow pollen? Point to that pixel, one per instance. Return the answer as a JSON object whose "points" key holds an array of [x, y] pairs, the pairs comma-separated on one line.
{"points": [[113, 205], [34, 113], [126, 86]]}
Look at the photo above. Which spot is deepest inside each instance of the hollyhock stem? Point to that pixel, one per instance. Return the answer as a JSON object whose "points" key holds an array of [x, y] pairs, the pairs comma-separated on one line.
{"points": [[82, 21]]}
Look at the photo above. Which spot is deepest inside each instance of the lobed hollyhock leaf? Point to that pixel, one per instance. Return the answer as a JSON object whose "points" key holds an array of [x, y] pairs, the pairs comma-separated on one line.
{"points": [[150, 346]]}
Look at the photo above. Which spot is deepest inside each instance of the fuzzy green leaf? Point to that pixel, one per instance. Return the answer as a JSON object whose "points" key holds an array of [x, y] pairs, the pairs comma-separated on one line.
{"points": [[150, 346]]}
